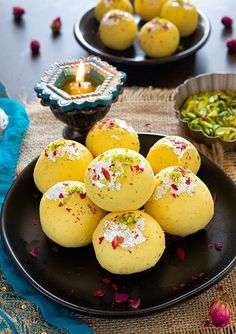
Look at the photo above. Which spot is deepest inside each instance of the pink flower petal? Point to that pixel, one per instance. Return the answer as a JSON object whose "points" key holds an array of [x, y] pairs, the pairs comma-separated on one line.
{"points": [[134, 303], [194, 278], [121, 297], [218, 246], [209, 245], [55, 249], [99, 293], [220, 289], [100, 240], [34, 251], [114, 286], [180, 252], [206, 323], [106, 280], [35, 221]]}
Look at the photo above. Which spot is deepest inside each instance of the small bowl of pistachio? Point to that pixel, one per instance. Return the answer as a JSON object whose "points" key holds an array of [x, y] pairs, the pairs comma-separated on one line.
{"points": [[206, 108]]}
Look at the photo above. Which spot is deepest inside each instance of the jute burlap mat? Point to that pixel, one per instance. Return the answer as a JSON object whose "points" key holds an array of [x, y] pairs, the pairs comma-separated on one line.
{"points": [[149, 110]]}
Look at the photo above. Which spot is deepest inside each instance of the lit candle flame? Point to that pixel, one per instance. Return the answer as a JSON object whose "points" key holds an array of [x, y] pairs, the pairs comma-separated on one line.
{"points": [[80, 72]]}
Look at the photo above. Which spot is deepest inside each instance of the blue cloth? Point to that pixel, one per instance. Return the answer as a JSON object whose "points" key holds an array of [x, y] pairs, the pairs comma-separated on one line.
{"points": [[10, 146]]}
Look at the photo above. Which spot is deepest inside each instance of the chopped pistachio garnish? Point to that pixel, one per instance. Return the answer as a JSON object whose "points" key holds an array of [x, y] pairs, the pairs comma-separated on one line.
{"points": [[214, 113]]}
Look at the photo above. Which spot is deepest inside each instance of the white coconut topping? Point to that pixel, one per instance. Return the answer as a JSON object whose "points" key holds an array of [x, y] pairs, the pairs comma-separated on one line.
{"points": [[115, 16], [3, 120], [59, 189], [100, 177], [131, 237], [184, 184], [108, 3], [178, 146], [115, 137], [122, 124], [59, 152]]}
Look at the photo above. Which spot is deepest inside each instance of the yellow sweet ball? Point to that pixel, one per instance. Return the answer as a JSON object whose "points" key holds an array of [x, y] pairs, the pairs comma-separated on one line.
{"points": [[119, 179], [148, 9], [173, 151], [128, 242], [159, 38], [118, 30], [61, 160], [183, 14], [111, 133], [67, 215], [104, 6], [181, 202]]}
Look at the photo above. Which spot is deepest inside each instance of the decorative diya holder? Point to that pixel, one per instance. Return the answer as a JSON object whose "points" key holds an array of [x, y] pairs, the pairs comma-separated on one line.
{"points": [[80, 100]]}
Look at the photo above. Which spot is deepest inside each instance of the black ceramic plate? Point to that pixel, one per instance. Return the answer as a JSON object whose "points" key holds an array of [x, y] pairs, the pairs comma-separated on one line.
{"points": [[69, 276], [86, 33]]}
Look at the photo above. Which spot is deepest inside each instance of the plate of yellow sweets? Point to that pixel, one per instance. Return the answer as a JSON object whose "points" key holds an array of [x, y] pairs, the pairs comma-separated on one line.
{"points": [[142, 32], [131, 223]]}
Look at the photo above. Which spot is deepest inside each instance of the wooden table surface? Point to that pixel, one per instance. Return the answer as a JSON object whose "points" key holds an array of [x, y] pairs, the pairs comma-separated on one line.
{"points": [[19, 71]]}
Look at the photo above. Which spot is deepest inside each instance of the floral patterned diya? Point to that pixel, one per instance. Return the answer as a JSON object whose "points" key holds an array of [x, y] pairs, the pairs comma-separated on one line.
{"points": [[80, 93]]}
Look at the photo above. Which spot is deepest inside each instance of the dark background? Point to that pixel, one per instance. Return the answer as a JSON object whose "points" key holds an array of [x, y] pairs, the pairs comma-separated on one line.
{"points": [[19, 71]]}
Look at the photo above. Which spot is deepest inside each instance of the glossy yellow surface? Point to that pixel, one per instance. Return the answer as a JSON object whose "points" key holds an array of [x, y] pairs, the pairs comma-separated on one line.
{"points": [[48, 172], [148, 9], [111, 133], [159, 38], [162, 155], [104, 6], [71, 224], [183, 14], [118, 30], [128, 187], [134, 259], [185, 214]]}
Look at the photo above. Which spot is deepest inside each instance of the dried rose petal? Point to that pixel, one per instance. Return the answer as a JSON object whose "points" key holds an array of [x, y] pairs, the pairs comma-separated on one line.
{"points": [[220, 289], [61, 195], [201, 274], [121, 297], [106, 280], [206, 323], [174, 288], [174, 187], [114, 286], [99, 293], [117, 241], [82, 196], [101, 240], [106, 174], [34, 251], [35, 221], [227, 21], [180, 252], [55, 249], [18, 12], [134, 303], [231, 44], [56, 25], [218, 246], [209, 245], [220, 312], [194, 278], [35, 46]]}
